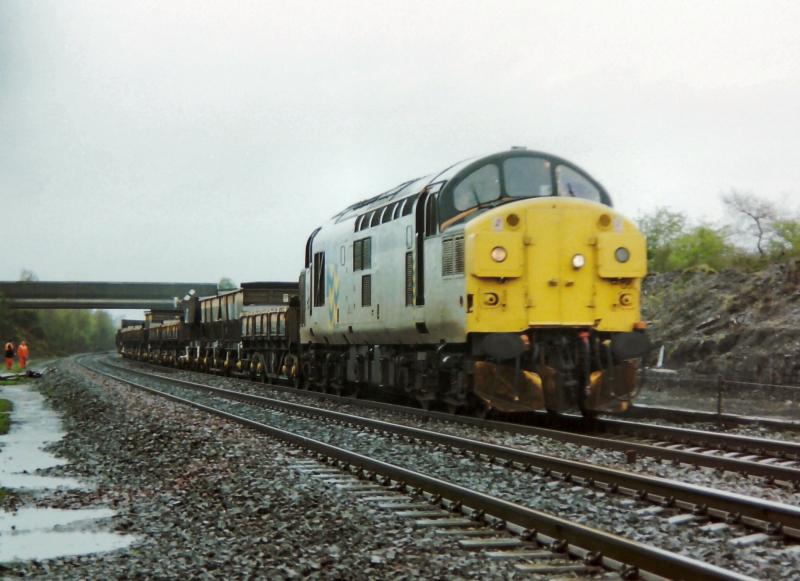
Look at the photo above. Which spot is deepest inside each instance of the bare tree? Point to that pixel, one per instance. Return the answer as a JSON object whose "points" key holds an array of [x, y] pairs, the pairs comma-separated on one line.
{"points": [[754, 214]]}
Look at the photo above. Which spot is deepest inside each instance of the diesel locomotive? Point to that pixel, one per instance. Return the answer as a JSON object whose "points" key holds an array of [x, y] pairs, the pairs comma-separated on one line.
{"points": [[506, 282]]}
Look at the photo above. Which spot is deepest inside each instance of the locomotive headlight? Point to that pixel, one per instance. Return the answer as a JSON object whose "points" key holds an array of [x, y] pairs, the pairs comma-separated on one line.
{"points": [[499, 254], [578, 261], [622, 254]]}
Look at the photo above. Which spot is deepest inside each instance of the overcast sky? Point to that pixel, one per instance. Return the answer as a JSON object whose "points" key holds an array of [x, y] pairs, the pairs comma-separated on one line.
{"points": [[185, 141]]}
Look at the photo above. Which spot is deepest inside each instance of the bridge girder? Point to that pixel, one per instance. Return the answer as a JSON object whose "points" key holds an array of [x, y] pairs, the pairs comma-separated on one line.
{"points": [[99, 295]]}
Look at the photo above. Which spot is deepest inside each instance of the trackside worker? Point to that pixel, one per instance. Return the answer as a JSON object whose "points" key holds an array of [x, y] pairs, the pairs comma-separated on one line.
{"points": [[22, 354], [9, 355]]}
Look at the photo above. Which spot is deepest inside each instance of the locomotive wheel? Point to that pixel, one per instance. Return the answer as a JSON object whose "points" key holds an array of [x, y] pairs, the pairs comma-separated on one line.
{"points": [[259, 372], [298, 381], [424, 402], [294, 371], [477, 407]]}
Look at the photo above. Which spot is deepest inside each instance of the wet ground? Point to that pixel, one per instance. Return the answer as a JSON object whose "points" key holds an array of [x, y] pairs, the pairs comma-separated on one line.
{"points": [[35, 531]]}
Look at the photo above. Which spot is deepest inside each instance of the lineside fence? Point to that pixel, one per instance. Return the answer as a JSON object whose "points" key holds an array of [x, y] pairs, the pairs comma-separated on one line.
{"points": [[720, 395]]}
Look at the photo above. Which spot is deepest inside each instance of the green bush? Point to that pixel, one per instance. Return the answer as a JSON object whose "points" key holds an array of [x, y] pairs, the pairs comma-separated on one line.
{"points": [[787, 238], [661, 228], [703, 246]]}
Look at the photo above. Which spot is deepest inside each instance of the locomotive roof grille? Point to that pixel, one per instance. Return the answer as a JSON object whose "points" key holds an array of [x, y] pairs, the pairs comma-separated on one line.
{"points": [[450, 177]]}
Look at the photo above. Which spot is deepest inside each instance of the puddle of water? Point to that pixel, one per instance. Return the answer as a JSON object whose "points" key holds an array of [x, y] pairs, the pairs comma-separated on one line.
{"points": [[32, 519], [43, 533], [49, 544], [32, 427]]}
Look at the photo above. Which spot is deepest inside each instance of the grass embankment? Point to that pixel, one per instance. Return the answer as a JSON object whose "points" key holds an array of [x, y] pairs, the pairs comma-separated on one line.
{"points": [[5, 415]]}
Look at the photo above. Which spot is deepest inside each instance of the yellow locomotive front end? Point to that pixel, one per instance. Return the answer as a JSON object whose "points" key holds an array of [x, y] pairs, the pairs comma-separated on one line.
{"points": [[553, 297]]}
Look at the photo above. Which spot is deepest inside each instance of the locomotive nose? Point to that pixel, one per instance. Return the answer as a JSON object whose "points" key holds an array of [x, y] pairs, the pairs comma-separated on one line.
{"points": [[582, 267], [555, 263]]}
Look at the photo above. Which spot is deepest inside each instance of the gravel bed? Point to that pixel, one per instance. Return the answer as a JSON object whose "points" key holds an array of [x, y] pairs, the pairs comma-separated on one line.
{"points": [[733, 482], [211, 499], [620, 515]]}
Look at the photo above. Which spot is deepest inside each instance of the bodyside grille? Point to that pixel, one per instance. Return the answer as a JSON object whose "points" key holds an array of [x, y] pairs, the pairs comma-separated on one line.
{"points": [[453, 256]]}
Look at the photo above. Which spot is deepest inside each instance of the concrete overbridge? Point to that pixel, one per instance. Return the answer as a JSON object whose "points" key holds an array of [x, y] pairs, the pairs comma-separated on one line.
{"points": [[99, 295]]}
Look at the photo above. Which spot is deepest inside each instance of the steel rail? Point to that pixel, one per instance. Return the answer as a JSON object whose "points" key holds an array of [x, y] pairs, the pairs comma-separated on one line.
{"points": [[767, 471], [719, 503], [600, 544], [644, 411], [721, 441]]}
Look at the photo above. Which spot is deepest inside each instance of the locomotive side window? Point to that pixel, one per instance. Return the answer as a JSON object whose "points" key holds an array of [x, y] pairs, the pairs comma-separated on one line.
{"points": [[408, 206], [571, 183], [431, 224], [375, 218], [319, 279], [362, 254], [527, 177], [482, 185]]}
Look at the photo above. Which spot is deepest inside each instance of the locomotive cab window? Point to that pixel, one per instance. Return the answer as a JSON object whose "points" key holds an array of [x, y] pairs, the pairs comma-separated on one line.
{"points": [[527, 177], [309, 247], [481, 186], [572, 183]]}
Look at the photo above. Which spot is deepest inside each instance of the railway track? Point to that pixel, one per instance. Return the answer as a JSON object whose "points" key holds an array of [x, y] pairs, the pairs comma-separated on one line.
{"points": [[538, 531], [772, 460], [650, 412], [689, 502], [764, 515]]}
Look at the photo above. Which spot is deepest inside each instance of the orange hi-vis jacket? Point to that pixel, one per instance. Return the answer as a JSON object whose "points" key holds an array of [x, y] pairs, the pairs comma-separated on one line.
{"points": [[22, 351]]}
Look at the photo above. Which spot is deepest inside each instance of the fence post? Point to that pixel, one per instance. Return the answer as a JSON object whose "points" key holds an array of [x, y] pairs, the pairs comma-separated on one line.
{"points": [[720, 383]]}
